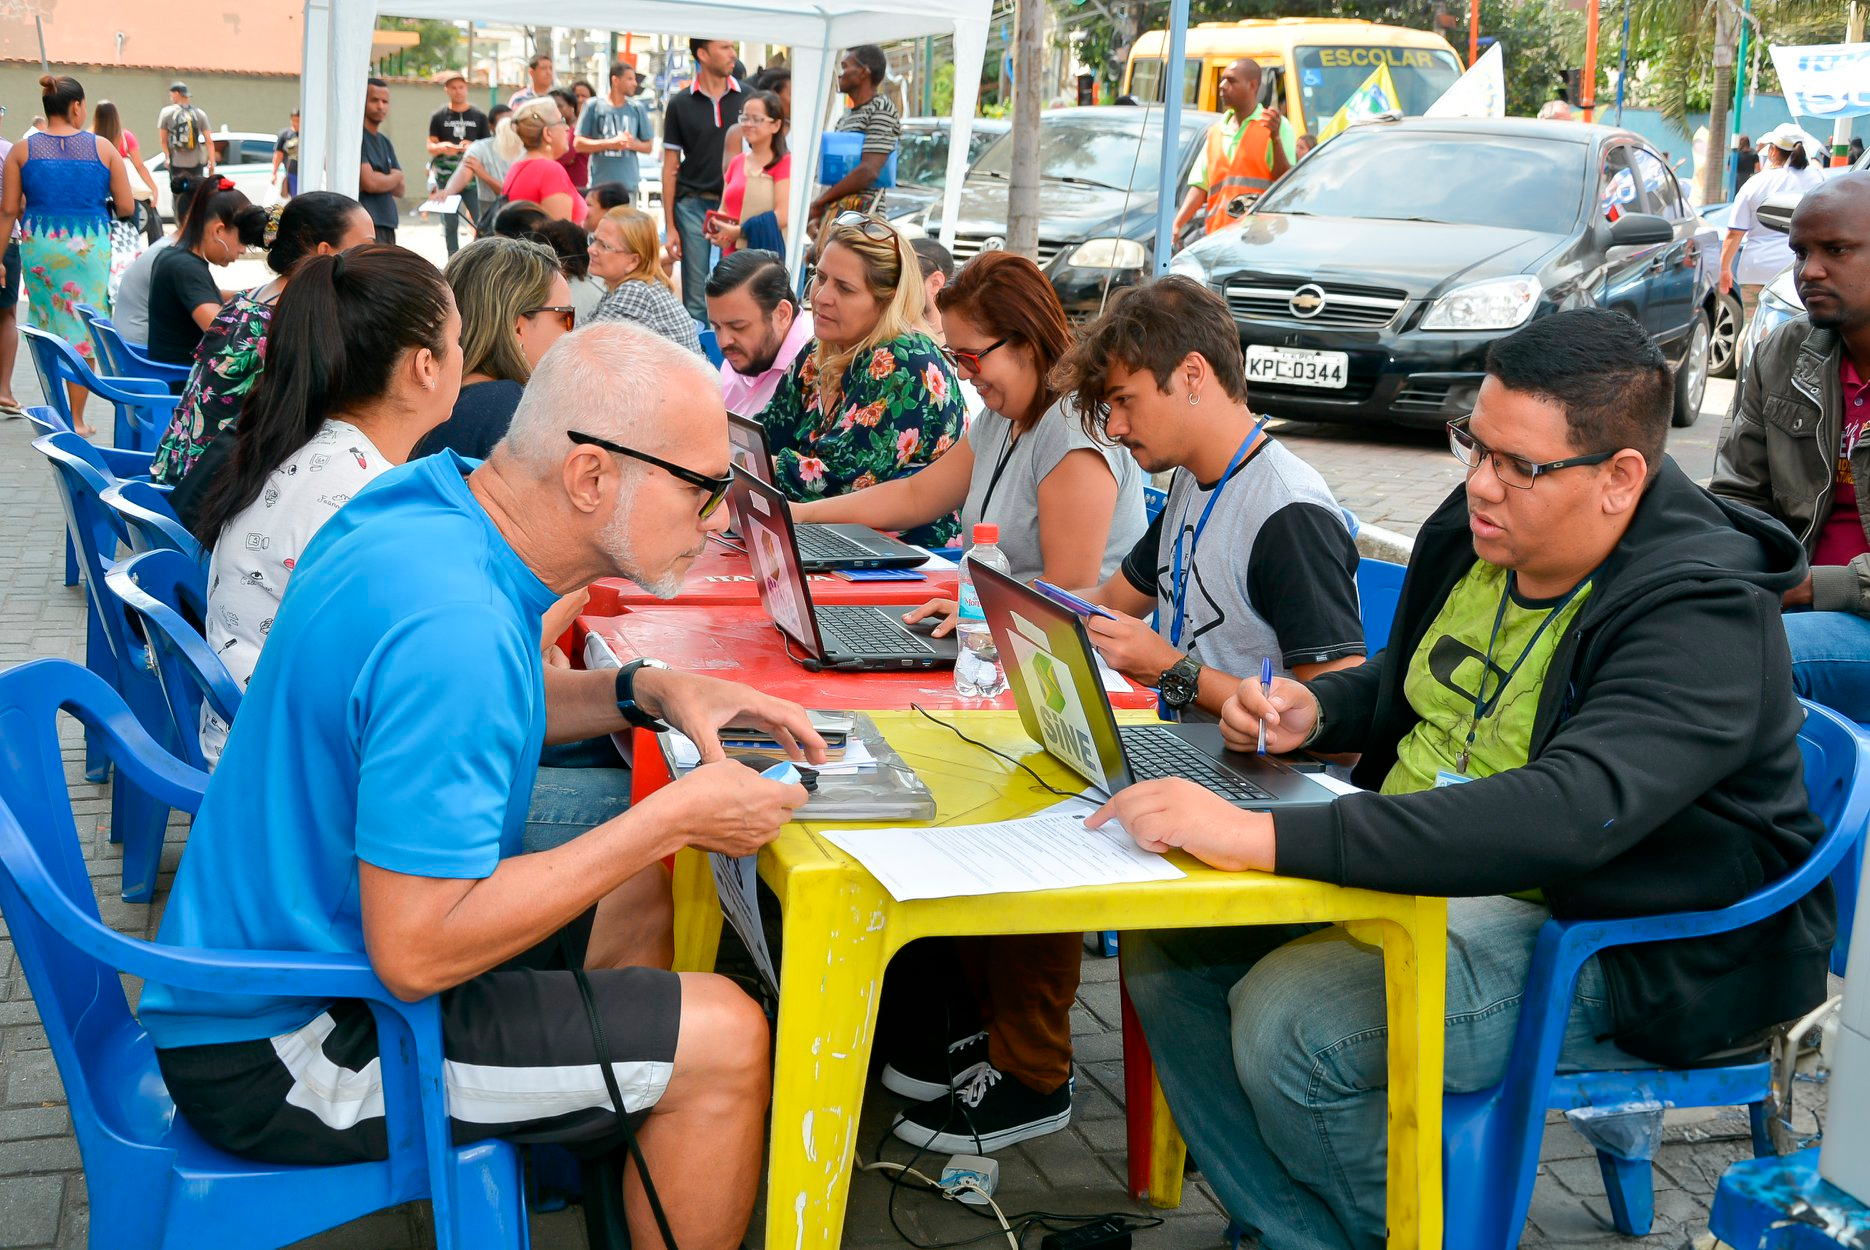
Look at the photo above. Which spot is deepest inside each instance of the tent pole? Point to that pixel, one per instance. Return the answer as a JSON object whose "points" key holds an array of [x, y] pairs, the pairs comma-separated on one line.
{"points": [[1473, 33], [1588, 88], [1169, 173]]}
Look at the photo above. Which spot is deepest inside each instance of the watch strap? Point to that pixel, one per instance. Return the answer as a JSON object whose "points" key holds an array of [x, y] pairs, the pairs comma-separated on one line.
{"points": [[627, 706]]}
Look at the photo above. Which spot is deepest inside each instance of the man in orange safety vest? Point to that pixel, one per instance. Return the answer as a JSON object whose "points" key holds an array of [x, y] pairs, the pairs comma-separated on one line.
{"points": [[1246, 150]]}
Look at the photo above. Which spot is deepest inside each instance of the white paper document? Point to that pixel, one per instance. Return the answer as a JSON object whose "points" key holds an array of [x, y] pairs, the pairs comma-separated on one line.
{"points": [[1050, 851], [443, 204], [736, 881]]}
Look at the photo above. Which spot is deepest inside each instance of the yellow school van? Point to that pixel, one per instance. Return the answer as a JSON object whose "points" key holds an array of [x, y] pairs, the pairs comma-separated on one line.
{"points": [[1312, 64]]}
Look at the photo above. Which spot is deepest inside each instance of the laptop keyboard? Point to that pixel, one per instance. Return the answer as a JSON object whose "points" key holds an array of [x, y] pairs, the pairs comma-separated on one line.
{"points": [[855, 630], [1157, 752], [824, 544]]}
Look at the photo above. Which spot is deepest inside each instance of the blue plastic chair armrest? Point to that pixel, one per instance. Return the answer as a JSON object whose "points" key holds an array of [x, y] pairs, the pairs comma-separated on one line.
{"points": [[144, 761], [130, 390], [127, 464], [222, 694]]}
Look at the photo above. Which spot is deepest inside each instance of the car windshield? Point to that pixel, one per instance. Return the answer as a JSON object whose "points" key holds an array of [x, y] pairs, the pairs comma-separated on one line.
{"points": [[1102, 150], [1380, 172], [1329, 76], [922, 159]]}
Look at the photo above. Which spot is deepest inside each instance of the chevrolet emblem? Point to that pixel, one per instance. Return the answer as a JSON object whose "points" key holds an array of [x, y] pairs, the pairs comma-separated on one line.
{"points": [[1307, 301]]}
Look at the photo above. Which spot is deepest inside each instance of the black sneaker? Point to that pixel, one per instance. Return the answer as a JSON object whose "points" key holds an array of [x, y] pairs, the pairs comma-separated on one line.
{"points": [[931, 1073], [987, 1111]]}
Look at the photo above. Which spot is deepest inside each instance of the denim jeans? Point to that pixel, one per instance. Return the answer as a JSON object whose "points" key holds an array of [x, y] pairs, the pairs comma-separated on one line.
{"points": [[691, 215], [580, 785], [1272, 1050], [1831, 660]]}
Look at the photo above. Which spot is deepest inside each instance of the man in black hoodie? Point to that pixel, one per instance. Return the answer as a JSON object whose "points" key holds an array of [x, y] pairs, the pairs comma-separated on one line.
{"points": [[1586, 710]]}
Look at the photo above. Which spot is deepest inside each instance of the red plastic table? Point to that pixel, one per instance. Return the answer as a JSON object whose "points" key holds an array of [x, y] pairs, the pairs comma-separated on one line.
{"points": [[721, 576]]}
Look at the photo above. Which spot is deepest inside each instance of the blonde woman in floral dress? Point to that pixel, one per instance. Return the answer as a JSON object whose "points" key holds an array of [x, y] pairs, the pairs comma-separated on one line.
{"points": [[228, 362], [57, 184], [872, 399]]}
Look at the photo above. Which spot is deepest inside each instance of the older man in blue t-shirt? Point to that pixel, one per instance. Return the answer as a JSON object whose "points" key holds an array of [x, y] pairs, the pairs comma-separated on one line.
{"points": [[373, 791]]}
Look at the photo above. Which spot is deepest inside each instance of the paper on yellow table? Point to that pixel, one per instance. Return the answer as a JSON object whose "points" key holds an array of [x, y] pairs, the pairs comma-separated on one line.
{"points": [[1050, 851]]}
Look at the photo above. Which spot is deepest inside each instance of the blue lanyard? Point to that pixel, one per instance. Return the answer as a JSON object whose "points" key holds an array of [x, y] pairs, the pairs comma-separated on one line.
{"points": [[1483, 706], [1179, 601]]}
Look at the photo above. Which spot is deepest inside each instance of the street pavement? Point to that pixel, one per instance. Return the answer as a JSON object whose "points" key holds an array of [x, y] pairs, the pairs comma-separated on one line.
{"points": [[1391, 478]]}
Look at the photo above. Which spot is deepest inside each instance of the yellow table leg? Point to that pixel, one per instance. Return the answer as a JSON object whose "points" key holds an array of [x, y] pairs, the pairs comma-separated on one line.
{"points": [[697, 913], [1167, 1151], [836, 948]]}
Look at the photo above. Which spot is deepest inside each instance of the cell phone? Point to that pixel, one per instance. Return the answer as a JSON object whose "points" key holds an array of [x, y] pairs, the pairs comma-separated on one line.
{"points": [[1065, 599]]}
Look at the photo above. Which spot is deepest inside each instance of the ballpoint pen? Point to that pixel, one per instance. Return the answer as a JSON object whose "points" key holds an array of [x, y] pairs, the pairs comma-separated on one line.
{"points": [[1266, 687]]}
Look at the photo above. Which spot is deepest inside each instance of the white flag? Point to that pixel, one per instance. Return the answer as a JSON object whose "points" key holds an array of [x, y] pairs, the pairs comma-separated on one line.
{"points": [[1481, 92], [1829, 80]]}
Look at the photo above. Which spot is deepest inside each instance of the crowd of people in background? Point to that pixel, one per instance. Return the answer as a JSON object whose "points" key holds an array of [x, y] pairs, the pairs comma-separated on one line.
{"points": [[490, 437]]}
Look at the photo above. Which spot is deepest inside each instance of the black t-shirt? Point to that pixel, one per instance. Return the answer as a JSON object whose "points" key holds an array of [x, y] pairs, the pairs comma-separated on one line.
{"points": [[482, 412], [1746, 164], [696, 125], [287, 145], [179, 283], [380, 154], [452, 127]]}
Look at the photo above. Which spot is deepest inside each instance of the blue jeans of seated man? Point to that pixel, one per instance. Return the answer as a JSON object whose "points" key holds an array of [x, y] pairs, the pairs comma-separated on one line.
{"points": [[1272, 1049], [691, 215], [1831, 660], [580, 785]]}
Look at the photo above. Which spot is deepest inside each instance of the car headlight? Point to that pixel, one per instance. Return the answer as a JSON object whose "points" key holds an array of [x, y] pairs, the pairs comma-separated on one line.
{"points": [[1189, 267], [1496, 304], [1109, 254], [1784, 291]]}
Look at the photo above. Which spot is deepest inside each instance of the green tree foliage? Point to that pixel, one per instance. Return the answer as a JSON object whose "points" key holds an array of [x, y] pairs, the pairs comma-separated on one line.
{"points": [[1672, 48], [440, 47], [1538, 42]]}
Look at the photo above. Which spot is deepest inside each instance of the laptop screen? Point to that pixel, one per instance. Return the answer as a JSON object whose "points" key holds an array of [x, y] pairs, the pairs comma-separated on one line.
{"points": [[747, 444], [764, 523], [1053, 673]]}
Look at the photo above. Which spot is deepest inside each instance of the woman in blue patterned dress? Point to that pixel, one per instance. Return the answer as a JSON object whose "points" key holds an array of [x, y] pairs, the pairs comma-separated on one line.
{"points": [[61, 185]]}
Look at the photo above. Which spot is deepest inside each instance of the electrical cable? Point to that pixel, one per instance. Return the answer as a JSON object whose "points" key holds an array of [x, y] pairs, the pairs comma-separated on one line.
{"points": [[1042, 782]]}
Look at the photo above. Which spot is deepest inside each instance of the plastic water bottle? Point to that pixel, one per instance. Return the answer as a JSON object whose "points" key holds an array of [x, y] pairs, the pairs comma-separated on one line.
{"points": [[978, 673]]}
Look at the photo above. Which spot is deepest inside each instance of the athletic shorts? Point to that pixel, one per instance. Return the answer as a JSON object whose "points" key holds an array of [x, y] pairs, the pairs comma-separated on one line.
{"points": [[9, 290], [520, 1058]]}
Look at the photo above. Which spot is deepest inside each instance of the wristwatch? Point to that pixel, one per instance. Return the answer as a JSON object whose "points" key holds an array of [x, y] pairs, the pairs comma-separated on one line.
{"points": [[626, 696], [1181, 683]]}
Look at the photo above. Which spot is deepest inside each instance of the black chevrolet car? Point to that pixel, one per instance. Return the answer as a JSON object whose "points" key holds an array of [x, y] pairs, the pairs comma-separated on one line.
{"points": [[1369, 281], [1097, 198]]}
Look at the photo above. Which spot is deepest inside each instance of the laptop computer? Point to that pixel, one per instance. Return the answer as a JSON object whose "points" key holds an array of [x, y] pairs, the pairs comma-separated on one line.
{"points": [[1063, 706], [821, 547], [856, 637]]}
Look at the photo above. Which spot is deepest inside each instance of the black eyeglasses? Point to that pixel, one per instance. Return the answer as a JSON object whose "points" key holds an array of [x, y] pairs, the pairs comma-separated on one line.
{"points": [[1515, 471], [873, 228], [971, 360], [566, 313], [715, 486]]}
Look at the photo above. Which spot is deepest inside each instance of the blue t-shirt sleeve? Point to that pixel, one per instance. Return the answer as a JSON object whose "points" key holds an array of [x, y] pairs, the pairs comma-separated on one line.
{"points": [[443, 718]]}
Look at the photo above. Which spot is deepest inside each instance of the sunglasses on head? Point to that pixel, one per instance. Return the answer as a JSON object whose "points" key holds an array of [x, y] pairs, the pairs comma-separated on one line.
{"points": [[715, 486], [873, 228]]}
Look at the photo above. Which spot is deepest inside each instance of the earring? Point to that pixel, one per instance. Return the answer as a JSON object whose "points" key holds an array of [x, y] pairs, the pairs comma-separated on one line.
{"points": [[1193, 399]]}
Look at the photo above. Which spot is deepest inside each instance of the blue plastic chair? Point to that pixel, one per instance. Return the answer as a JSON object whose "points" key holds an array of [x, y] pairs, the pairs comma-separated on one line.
{"points": [[115, 652], [165, 589], [154, 1181], [712, 346], [1379, 588], [1154, 501], [144, 408], [114, 462], [1491, 1138], [147, 520], [1784, 1204], [120, 357]]}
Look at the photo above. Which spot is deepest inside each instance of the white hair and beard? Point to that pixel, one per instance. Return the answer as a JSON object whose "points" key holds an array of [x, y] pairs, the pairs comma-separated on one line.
{"points": [[608, 379]]}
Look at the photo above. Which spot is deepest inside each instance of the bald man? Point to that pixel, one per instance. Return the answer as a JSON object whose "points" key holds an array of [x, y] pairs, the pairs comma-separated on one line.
{"points": [[1231, 166], [1795, 446]]}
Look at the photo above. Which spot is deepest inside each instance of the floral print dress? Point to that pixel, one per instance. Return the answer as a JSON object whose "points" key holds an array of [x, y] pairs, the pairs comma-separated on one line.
{"points": [[65, 234], [227, 364], [900, 410]]}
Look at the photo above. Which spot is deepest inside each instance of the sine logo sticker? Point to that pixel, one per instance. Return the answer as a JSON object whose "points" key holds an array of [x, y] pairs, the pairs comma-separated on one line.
{"points": [[1050, 692]]}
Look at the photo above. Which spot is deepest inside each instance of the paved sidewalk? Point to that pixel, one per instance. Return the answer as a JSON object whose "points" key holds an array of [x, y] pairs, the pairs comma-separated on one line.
{"points": [[1388, 478]]}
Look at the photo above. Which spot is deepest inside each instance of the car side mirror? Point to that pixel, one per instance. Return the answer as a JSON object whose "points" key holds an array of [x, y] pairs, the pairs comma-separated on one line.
{"points": [[1240, 206], [1640, 230], [1776, 213]]}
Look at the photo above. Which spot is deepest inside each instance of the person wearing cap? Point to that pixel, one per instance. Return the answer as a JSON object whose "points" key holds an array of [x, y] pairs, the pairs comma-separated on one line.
{"points": [[186, 147], [451, 129], [1785, 166]]}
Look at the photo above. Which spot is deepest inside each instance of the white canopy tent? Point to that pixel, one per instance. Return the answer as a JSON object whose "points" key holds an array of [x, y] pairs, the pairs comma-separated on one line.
{"points": [[337, 63]]}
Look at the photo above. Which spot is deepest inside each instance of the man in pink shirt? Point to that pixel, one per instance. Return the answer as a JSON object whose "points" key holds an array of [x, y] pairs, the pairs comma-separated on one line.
{"points": [[1797, 443], [758, 324]]}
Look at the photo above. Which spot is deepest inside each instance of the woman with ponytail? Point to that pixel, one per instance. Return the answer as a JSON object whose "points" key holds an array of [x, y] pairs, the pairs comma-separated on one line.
{"points": [[184, 297], [363, 359], [536, 176], [227, 364], [62, 185]]}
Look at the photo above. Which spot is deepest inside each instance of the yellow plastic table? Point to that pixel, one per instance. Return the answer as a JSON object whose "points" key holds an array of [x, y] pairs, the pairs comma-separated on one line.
{"points": [[841, 928]]}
